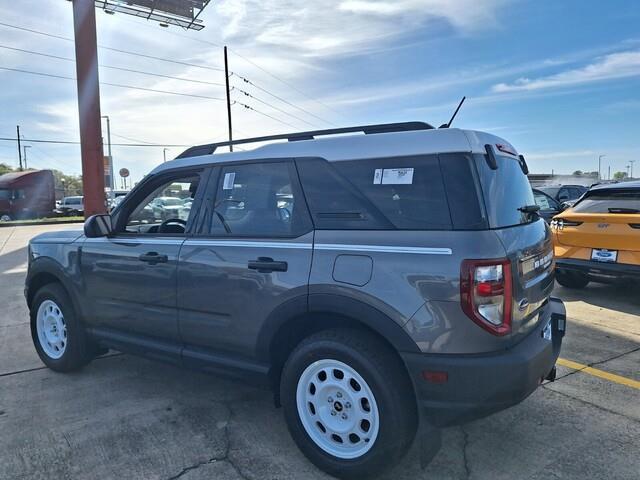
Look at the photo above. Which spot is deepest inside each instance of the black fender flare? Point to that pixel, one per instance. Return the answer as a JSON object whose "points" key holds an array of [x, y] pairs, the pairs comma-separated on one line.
{"points": [[299, 308], [46, 265]]}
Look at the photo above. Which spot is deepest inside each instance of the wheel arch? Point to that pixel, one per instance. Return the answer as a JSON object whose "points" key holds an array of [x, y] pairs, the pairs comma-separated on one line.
{"points": [[299, 318], [44, 271]]}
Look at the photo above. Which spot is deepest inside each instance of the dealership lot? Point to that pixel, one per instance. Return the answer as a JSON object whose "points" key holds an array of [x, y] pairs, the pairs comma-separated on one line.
{"points": [[125, 417]]}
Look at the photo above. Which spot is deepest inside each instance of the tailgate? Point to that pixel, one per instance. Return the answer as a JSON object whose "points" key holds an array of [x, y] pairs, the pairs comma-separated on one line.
{"points": [[530, 249], [592, 230]]}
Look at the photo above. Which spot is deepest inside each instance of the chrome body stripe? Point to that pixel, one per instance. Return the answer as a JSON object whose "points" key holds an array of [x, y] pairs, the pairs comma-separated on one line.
{"points": [[285, 245], [384, 249]]}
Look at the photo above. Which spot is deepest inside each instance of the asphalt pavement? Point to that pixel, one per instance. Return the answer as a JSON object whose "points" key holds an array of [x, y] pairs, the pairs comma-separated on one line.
{"points": [[124, 417]]}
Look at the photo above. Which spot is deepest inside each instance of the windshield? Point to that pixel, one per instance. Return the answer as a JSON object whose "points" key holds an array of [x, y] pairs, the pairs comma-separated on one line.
{"points": [[506, 190], [610, 201]]}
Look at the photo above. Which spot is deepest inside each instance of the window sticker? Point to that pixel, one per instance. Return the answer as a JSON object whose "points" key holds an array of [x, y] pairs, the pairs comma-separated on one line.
{"points": [[377, 176], [396, 176], [229, 179]]}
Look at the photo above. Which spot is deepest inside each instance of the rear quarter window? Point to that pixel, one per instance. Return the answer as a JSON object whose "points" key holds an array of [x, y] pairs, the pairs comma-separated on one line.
{"points": [[404, 193]]}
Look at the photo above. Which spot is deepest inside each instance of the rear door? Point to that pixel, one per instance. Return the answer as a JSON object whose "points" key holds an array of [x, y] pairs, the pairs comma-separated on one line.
{"points": [[525, 237], [251, 255]]}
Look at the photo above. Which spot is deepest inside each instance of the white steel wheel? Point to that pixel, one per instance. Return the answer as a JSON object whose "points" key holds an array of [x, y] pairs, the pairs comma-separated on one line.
{"points": [[51, 329], [337, 409]]}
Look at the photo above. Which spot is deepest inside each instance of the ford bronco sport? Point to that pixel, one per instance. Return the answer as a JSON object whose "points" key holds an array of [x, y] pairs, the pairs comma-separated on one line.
{"points": [[387, 282]]}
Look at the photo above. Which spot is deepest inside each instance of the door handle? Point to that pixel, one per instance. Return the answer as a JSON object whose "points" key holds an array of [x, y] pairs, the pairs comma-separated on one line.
{"points": [[153, 258], [267, 265]]}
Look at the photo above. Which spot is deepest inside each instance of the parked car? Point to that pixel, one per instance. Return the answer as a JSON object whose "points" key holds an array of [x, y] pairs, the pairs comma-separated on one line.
{"points": [[72, 206], [598, 239], [563, 193], [29, 194], [427, 303], [167, 207], [549, 207]]}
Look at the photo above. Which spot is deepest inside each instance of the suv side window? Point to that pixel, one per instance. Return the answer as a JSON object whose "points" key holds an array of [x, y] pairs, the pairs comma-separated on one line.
{"points": [[259, 200], [166, 209]]}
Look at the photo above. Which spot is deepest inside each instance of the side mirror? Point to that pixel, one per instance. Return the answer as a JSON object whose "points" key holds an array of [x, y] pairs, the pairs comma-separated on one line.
{"points": [[98, 226]]}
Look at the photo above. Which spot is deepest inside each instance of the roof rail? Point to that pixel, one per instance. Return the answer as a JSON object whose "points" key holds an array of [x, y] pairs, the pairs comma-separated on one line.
{"points": [[210, 148]]}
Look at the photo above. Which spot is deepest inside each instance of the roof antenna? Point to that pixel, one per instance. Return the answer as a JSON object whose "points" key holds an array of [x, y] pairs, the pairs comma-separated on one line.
{"points": [[447, 125]]}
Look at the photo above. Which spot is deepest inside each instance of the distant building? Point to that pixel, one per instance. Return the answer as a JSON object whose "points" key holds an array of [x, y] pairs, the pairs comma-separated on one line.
{"points": [[541, 179]]}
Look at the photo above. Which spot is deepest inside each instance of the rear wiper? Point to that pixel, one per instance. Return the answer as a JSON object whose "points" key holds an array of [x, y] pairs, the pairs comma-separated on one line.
{"points": [[623, 210], [530, 209]]}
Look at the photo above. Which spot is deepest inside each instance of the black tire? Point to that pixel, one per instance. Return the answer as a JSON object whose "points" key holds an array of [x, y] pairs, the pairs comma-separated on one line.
{"points": [[78, 351], [573, 280], [386, 377]]}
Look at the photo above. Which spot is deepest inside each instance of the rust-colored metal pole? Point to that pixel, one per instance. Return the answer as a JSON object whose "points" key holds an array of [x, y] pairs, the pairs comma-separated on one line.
{"points": [[84, 22]]}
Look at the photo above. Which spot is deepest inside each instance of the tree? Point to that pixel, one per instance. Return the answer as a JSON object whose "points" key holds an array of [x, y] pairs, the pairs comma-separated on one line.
{"points": [[578, 172], [4, 168], [70, 185], [620, 176]]}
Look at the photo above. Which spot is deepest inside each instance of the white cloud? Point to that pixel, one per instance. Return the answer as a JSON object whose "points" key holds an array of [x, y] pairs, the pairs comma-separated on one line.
{"points": [[341, 26], [609, 67]]}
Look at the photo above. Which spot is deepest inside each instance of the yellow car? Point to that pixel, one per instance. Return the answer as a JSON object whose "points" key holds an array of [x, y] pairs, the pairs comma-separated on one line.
{"points": [[598, 239]]}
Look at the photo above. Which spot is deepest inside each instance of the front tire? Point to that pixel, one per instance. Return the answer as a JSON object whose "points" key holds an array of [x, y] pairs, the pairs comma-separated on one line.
{"points": [[573, 280], [348, 403], [57, 334]]}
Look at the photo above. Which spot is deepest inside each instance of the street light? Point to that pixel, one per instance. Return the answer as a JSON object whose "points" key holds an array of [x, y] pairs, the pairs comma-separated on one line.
{"points": [[600, 166]]}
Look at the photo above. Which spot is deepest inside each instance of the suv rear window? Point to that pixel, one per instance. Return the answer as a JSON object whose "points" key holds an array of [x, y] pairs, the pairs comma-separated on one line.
{"points": [[402, 193], [609, 201], [505, 190]]}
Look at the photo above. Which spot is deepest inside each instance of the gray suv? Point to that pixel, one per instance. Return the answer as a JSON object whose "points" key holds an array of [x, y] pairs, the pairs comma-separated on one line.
{"points": [[384, 281]]}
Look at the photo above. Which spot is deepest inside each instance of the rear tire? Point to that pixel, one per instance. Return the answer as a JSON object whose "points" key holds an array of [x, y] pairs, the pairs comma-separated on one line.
{"points": [[57, 333], [348, 403], [573, 280]]}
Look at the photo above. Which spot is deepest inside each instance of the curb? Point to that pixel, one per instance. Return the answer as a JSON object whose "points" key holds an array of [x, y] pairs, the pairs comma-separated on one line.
{"points": [[45, 222]]}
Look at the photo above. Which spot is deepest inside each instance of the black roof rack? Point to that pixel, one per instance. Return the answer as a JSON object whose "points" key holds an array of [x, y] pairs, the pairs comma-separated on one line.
{"points": [[310, 135]]}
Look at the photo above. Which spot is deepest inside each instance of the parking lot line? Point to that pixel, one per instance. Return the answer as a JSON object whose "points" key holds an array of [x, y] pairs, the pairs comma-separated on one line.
{"points": [[599, 373]]}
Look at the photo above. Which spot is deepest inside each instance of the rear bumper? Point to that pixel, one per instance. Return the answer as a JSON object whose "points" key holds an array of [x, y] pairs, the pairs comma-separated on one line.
{"points": [[600, 270], [479, 385]]}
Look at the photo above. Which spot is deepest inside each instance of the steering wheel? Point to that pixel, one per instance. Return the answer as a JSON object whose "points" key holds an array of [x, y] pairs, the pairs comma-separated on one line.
{"points": [[169, 221]]}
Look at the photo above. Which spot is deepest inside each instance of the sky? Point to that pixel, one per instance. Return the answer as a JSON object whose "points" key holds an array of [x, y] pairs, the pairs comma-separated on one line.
{"points": [[559, 80]]}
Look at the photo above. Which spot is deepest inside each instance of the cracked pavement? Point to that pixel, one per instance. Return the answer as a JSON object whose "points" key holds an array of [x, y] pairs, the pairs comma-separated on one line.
{"points": [[124, 417]]}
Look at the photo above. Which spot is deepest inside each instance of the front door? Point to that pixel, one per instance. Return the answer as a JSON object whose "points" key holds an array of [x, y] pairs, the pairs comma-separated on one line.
{"points": [[130, 277], [252, 256]]}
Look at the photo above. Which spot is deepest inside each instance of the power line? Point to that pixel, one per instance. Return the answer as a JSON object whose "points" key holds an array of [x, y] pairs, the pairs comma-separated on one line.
{"points": [[71, 142], [249, 107], [275, 108], [208, 42], [285, 82], [119, 50], [142, 72], [119, 85], [246, 80]]}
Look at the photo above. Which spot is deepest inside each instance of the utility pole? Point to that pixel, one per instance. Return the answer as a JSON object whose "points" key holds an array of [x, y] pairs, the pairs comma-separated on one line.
{"points": [[600, 166], [84, 23], [631, 162], [609, 175], [24, 149], [111, 181], [19, 149], [226, 76], [164, 154]]}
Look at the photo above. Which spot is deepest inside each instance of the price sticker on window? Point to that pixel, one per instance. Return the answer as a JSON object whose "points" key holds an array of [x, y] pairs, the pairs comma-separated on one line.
{"points": [[393, 176], [229, 179]]}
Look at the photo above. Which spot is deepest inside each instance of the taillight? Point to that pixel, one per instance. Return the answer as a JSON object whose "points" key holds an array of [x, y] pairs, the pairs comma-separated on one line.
{"points": [[485, 294]]}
